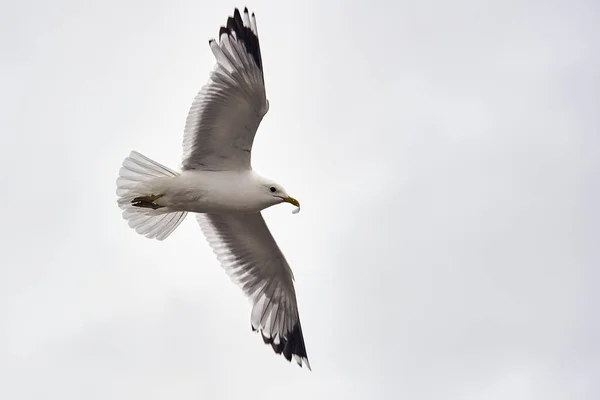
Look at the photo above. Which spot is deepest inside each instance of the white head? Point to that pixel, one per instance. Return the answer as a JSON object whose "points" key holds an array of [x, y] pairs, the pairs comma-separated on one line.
{"points": [[273, 193]]}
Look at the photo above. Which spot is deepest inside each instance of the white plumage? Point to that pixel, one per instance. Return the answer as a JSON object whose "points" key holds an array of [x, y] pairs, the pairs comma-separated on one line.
{"points": [[217, 183]]}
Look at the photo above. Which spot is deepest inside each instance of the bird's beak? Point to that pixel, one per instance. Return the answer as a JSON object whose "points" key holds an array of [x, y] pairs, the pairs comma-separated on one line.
{"points": [[291, 200]]}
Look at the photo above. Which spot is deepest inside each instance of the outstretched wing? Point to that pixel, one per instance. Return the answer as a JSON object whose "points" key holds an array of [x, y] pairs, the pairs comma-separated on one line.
{"points": [[225, 115], [247, 251]]}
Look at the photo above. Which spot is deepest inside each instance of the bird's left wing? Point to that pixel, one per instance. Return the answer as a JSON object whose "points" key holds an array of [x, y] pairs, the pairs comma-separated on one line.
{"points": [[223, 119], [249, 254]]}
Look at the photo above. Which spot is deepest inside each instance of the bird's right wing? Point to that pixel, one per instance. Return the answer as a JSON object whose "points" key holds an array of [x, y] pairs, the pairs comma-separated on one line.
{"points": [[249, 254], [223, 119]]}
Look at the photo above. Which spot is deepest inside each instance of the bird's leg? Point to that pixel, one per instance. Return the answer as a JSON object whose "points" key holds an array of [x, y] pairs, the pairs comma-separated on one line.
{"points": [[147, 201]]}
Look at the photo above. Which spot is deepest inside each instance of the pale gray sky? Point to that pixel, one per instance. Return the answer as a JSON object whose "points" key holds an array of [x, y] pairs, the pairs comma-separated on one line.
{"points": [[447, 156]]}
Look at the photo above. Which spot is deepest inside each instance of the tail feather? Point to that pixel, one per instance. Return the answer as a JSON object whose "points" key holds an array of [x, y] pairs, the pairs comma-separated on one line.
{"points": [[135, 181]]}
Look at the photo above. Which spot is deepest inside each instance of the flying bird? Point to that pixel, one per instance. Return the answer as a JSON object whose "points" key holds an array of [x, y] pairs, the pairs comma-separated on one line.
{"points": [[216, 182]]}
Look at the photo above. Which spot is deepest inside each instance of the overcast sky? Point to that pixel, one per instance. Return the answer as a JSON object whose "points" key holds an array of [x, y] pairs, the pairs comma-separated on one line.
{"points": [[447, 157]]}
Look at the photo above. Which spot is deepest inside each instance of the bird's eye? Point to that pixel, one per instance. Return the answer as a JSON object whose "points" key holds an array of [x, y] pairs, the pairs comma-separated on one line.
{"points": [[272, 189]]}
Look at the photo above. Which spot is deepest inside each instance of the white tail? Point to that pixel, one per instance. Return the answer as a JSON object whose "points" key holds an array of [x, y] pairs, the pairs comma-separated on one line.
{"points": [[135, 177]]}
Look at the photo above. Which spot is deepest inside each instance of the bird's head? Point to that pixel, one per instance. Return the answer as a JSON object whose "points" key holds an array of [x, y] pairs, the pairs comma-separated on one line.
{"points": [[277, 194]]}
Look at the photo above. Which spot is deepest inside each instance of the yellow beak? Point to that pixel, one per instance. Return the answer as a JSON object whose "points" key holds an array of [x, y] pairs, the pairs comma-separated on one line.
{"points": [[291, 200]]}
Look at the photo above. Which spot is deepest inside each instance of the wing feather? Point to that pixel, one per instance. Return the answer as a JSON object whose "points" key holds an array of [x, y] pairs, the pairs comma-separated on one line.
{"points": [[248, 252], [225, 114]]}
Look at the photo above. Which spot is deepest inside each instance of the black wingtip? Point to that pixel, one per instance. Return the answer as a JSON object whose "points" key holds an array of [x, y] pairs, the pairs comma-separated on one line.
{"points": [[230, 24], [237, 16], [243, 34], [291, 346]]}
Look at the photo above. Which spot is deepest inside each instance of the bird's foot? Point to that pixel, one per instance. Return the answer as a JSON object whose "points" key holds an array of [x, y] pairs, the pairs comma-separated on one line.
{"points": [[147, 201]]}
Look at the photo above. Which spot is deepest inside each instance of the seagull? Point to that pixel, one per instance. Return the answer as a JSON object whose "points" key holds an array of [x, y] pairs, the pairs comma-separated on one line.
{"points": [[216, 182]]}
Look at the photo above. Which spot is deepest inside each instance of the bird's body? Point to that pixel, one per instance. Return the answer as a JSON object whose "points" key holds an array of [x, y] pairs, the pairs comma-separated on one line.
{"points": [[200, 191], [218, 184]]}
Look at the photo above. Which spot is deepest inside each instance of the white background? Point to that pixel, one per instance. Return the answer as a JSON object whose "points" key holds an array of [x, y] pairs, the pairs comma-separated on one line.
{"points": [[446, 154]]}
